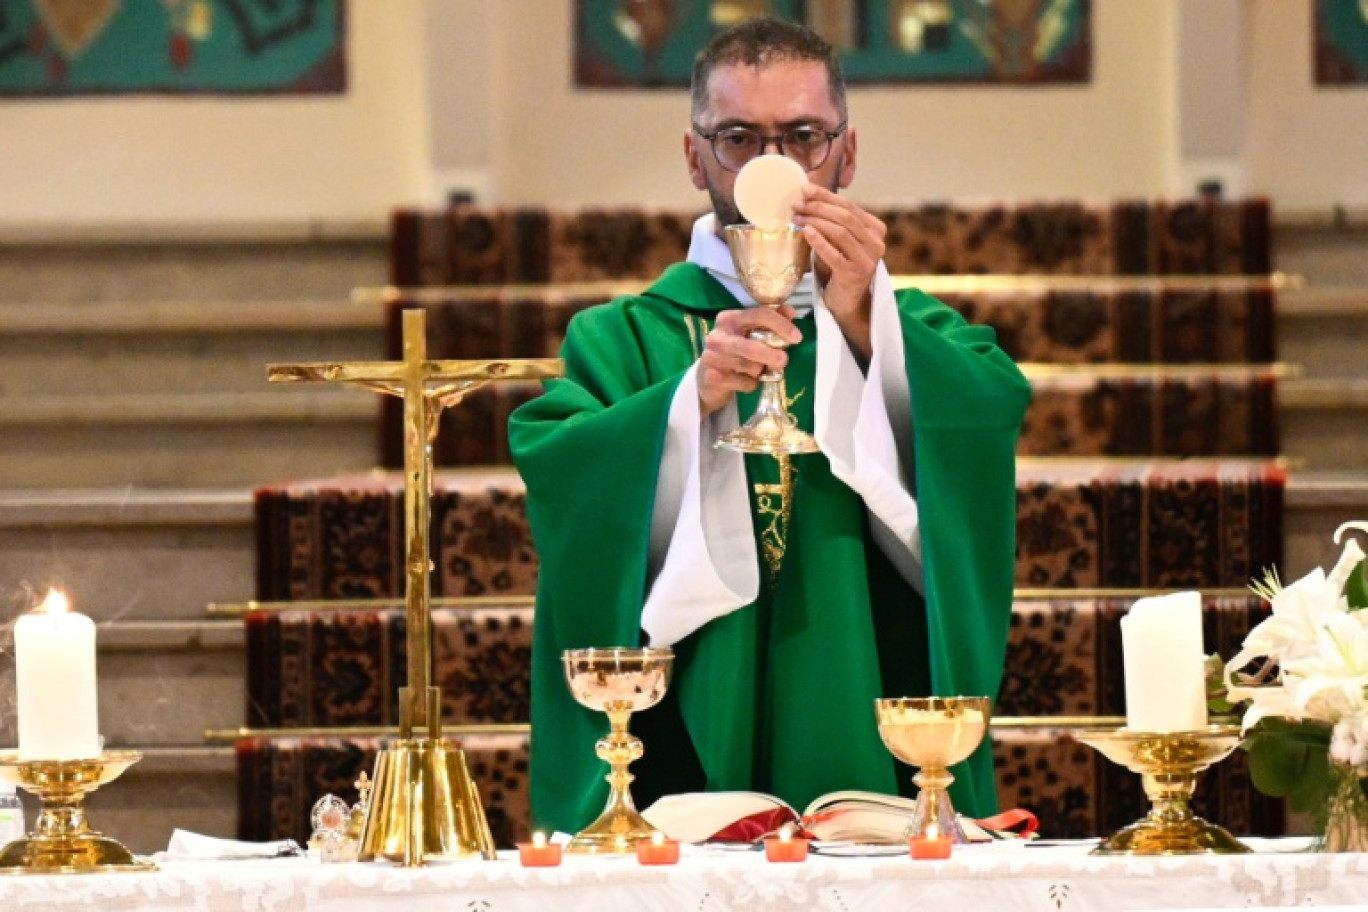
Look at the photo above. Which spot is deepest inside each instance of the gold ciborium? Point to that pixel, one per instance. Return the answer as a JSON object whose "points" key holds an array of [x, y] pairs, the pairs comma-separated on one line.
{"points": [[617, 682], [61, 841], [1169, 765], [933, 733], [770, 262]]}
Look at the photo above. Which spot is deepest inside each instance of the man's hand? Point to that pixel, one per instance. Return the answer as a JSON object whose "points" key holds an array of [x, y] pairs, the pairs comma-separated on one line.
{"points": [[848, 243], [732, 362]]}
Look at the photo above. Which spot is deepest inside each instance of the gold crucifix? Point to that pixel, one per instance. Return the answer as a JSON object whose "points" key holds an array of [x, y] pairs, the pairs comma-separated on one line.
{"points": [[405, 821]]}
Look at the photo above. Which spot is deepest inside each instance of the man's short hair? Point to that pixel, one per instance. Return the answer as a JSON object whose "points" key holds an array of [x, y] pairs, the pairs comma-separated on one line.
{"points": [[759, 42]]}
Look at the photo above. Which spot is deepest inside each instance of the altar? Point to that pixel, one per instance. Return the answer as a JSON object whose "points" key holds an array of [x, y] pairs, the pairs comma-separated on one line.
{"points": [[998, 877]]}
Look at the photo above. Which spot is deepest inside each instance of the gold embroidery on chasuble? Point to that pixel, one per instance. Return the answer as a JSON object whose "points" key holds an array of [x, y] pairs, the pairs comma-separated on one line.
{"points": [[773, 500]]}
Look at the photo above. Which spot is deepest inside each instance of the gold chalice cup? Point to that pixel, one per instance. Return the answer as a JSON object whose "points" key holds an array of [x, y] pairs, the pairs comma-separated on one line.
{"points": [[1169, 764], [770, 263], [61, 841], [933, 733], [617, 681]]}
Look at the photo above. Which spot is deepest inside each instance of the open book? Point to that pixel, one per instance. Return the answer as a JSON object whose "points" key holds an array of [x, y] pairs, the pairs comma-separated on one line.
{"points": [[852, 816]]}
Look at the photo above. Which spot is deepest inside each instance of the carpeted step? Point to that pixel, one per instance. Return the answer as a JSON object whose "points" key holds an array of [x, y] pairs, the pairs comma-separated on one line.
{"points": [[1083, 524], [472, 245]]}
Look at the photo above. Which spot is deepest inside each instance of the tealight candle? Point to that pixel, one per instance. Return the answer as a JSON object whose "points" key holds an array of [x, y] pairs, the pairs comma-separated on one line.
{"points": [[539, 853], [657, 850], [786, 846], [931, 845], [54, 676]]}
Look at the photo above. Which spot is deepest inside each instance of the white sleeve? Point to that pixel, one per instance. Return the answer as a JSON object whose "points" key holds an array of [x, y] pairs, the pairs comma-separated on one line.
{"points": [[703, 563], [862, 421]]}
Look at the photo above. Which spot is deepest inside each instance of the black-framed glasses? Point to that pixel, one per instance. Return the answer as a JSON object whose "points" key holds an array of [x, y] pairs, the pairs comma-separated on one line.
{"points": [[808, 145]]}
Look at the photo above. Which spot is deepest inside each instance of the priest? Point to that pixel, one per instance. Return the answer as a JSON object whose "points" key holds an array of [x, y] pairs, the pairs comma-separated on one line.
{"points": [[793, 590]]}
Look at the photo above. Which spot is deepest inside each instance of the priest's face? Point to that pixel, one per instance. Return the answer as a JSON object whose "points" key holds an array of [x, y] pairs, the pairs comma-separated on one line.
{"points": [[771, 100]]}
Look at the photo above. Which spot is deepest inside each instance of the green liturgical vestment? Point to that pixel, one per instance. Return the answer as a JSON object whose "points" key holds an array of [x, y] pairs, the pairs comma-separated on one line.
{"points": [[776, 696]]}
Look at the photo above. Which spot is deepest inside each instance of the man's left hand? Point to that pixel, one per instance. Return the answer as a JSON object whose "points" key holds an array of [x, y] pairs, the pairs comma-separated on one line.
{"points": [[848, 243]]}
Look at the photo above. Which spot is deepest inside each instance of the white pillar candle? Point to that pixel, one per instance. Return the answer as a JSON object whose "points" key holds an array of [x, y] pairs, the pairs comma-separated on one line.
{"points": [[1161, 642], [54, 655]]}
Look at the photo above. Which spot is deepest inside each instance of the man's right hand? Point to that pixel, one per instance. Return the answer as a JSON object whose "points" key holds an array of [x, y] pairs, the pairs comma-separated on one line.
{"points": [[732, 362]]}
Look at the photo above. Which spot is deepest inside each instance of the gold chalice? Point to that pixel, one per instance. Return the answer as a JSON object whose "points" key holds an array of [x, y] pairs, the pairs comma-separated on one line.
{"points": [[617, 681], [1169, 765], [933, 733], [61, 841], [770, 263]]}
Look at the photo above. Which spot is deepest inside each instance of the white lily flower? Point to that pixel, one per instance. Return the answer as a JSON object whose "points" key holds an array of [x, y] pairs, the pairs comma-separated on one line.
{"points": [[1320, 646]]}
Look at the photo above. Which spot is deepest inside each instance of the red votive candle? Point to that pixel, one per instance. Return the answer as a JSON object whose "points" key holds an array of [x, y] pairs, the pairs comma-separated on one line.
{"points": [[657, 850], [539, 853], [930, 847], [786, 847]]}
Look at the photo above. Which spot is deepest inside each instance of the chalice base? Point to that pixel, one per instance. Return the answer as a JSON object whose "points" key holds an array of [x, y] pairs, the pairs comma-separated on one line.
{"points": [[1193, 836], [89, 853], [616, 832], [771, 431]]}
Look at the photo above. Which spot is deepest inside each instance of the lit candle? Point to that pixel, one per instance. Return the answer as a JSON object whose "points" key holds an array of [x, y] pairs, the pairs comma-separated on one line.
{"points": [[539, 853], [786, 846], [931, 845], [1161, 645], [54, 657], [657, 850]]}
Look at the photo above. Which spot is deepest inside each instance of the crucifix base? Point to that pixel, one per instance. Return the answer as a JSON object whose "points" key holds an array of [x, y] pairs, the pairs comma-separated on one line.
{"points": [[424, 806]]}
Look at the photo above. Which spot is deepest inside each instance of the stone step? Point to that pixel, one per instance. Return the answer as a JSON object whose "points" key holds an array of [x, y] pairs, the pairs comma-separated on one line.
{"points": [[177, 439], [161, 683], [128, 553], [1325, 330], [247, 262], [188, 788], [1322, 422], [1316, 504], [174, 346], [1325, 248]]}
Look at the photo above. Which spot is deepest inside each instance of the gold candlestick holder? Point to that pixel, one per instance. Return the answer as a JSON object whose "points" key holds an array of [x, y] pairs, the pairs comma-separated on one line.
{"points": [[617, 682], [1169, 764], [61, 841]]}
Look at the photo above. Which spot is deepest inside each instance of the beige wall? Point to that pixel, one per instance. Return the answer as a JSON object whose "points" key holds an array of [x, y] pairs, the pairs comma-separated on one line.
{"points": [[476, 94], [159, 159], [1109, 138], [1307, 147]]}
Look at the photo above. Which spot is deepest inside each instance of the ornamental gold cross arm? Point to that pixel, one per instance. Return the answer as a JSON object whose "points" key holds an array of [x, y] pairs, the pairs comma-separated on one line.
{"points": [[426, 388]]}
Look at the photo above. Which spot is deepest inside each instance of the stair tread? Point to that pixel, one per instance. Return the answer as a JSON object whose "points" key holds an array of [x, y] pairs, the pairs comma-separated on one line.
{"points": [[216, 407], [199, 317]]}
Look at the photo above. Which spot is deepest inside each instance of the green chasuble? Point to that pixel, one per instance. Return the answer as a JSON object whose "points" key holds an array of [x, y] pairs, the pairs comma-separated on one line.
{"points": [[776, 696]]}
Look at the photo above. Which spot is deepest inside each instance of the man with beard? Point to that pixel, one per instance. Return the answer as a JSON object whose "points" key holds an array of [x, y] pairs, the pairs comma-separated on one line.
{"points": [[793, 590]]}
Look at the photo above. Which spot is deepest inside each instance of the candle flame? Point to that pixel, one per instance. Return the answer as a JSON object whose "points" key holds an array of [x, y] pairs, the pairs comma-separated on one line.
{"points": [[55, 603], [932, 831], [785, 833], [658, 838], [539, 839]]}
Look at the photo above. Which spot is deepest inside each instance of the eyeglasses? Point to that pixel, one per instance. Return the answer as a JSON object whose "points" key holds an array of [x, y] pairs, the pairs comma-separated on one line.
{"points": [[808, 145]]}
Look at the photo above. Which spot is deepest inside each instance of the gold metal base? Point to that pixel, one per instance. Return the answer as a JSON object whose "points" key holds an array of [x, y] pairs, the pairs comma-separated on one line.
{"points": [[771, 431], [1169, 764], [62, 842], [424, 806], [616, 832]]}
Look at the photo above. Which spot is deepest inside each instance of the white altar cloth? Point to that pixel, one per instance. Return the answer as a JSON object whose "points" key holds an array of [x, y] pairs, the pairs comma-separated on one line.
{"points": [[994, 878]]}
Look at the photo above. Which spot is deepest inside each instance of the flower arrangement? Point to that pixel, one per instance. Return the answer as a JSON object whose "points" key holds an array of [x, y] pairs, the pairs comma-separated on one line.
{"points": [[1302, 676]]}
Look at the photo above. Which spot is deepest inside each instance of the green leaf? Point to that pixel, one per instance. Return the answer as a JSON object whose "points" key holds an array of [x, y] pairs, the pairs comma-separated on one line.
{"points": [[1356, 587], [1291, 760]]}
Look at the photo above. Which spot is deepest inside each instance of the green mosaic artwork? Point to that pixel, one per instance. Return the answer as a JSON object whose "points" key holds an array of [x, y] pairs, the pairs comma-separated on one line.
{"points": [[95, 47], [635, 43], [1341, 36]]}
